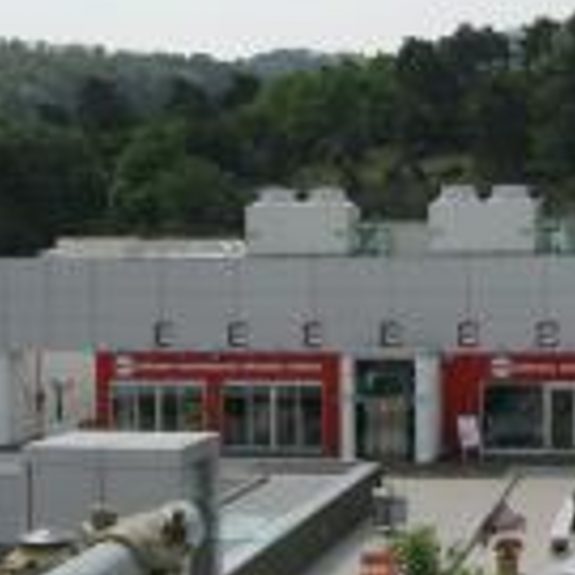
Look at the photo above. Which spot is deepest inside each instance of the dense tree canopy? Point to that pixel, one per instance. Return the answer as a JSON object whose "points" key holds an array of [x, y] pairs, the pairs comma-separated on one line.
{"points": [[92, 142]]}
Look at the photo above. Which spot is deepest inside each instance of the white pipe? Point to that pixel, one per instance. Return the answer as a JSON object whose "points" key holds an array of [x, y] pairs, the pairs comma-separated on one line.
{"points": [[140, 544], [108, 558]]}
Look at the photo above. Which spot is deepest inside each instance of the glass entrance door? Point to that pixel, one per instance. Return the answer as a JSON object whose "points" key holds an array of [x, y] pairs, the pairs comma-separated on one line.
{"points": [[384, 424], [561, 418], [385, 409]]}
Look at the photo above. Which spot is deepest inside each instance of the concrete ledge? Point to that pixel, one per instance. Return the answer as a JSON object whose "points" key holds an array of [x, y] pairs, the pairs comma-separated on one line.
{"points": [[293, 541]]}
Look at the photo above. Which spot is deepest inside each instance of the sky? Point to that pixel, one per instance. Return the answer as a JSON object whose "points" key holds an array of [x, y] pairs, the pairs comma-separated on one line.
{"points": [[230, 29]]}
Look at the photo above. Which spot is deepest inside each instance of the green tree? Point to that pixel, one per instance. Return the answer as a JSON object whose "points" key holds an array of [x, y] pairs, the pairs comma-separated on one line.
{"points": [[499, 128], [419, 553], [426, 101], [553, 113], [188, 99], [101, 106], [159, 187], [51, 184]]}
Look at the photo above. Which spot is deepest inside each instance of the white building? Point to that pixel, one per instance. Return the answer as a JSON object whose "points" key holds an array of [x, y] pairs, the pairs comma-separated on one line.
{"points": [[336, 350]]}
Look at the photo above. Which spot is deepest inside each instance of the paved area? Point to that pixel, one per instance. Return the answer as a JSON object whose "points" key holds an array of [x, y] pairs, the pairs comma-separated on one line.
{"points": [[455, 506]]}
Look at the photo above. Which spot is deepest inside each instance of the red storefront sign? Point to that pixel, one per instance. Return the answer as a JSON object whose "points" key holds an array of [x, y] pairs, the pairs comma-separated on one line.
{"points": [[215, 369], [553, 366], [463, 376]]}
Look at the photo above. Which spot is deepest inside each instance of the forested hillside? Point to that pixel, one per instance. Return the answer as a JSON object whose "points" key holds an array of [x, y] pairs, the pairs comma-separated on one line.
{"points": [[94, 143]]}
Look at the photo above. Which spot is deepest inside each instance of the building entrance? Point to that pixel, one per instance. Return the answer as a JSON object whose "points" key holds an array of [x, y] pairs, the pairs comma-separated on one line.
{"points": [[384, 409]]}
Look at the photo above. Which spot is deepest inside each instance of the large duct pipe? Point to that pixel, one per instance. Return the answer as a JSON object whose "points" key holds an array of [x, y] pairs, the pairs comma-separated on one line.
{"points": [[160, 540], [109, 558]]}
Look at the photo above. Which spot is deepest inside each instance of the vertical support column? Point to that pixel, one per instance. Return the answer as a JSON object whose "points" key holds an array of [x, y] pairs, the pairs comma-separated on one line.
{"points": [[6, 407], [331, 395], [213, 403], [347, 409], [104, 374], [427, 407]]}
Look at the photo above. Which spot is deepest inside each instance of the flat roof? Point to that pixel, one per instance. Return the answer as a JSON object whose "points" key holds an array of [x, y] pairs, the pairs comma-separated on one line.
{"points": [[119, 440]]}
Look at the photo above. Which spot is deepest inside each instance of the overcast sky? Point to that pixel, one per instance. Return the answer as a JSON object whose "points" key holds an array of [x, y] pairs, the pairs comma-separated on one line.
{"points": [[232, 28]]}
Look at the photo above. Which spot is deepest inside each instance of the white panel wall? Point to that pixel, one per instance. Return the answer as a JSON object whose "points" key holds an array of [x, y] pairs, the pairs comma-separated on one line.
{"points": [[19, 407], [460, 221], [13, 502], [81, 305], [280, 224], [5, 401], [73, 373]]}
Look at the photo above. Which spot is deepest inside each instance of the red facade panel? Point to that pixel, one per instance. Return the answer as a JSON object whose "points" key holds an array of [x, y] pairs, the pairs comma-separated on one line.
{"points": [[214, 369], [463, 376]]}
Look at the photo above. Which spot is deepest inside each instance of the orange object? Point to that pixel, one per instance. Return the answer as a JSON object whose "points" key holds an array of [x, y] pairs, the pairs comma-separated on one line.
{"points": [[378, 563]]}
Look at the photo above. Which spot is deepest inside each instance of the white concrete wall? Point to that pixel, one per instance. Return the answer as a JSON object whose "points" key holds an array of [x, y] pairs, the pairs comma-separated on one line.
{"points": [[5, 401], [322, 224], [13, 502], [130, 472], [20, 397], [408, 238], [460, 221], [25, 383], [28, 393], [73, 373], [427, 407]]}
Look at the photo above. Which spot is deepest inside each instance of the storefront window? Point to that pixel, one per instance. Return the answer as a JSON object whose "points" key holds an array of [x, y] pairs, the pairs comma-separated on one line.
{"points": [[310, 402], [513, 416], [283, 418], [124, 408], [287, 416], [236, 415], [261, 417], [192, 409], [157, 407], [147, 409], [171, 409]]}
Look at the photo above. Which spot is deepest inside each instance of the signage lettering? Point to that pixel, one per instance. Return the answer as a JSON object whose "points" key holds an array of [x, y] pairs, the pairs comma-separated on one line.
{"points": [[537, 368]]}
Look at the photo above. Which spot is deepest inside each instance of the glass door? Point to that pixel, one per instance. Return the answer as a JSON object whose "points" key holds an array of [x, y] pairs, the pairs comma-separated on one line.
{"points": [[561, 418]]}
